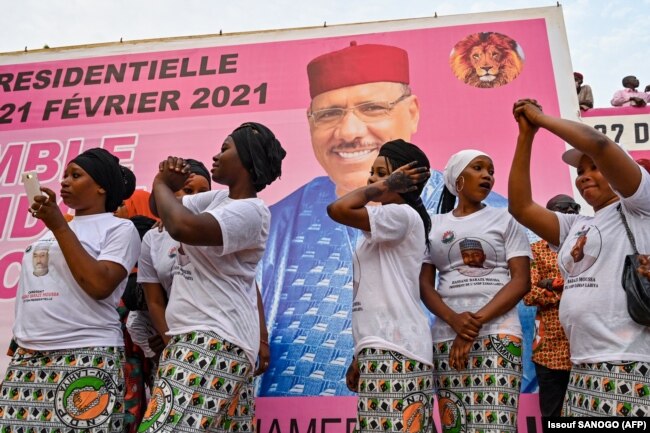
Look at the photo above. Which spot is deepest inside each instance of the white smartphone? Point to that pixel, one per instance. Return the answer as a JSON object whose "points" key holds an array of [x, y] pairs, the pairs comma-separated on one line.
{"points": [[32, 186]]}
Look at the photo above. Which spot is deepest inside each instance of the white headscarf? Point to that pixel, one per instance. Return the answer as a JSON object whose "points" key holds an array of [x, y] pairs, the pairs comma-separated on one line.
{"points": [[457, 164]]}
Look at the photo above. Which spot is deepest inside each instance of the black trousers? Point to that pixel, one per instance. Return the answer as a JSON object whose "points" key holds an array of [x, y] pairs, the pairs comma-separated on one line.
{"points": [[552, 387]]}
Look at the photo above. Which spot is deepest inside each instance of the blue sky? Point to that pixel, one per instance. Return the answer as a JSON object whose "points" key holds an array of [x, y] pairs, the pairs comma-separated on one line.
{"points": [[608, 39]]}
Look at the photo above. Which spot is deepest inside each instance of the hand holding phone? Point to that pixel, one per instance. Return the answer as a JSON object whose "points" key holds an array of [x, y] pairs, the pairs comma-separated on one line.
{"points": [[32, 185]]}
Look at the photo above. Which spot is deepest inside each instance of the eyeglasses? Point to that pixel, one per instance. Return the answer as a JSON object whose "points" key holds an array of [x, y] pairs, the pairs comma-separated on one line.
{"points": [[367, 112], [567, 207]]}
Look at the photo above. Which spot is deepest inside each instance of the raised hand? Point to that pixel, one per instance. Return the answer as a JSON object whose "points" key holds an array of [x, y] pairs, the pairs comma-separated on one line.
{"points": [[526, 113], [407, 178], [46, 210], [173, 172]]}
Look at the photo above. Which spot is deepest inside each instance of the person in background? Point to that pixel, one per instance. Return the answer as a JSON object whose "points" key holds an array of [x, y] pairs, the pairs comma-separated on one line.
{"points": [[390, 329], [137, 369], [66, 373], [629, 96], [204, 381], [585, 97], [137, 204], [551, 347], [157, 257], [610, 352], [477, 337]]}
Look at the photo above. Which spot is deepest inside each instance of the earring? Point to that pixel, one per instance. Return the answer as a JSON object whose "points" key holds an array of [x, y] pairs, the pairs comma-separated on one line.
{"points": [[461, 181]]}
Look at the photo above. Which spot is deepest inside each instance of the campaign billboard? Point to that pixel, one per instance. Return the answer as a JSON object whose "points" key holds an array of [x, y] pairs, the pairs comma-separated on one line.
{"points": [[146, 100]]}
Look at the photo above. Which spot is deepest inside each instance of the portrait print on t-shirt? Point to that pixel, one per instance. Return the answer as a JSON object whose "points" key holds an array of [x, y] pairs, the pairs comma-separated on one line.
{"points": [[183, 266], [41, 259], [584, 250], [472, 257]]}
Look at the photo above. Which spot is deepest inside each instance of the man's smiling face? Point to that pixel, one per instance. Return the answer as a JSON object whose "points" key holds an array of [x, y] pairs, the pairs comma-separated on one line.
{"points": [[347, 148]]}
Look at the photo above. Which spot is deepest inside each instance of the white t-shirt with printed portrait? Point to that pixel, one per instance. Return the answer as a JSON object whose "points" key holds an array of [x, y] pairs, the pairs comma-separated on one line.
{"points": [[593, 310], [52, 311], [157, 257], [213, 287], [386, 309], [471, 256]]}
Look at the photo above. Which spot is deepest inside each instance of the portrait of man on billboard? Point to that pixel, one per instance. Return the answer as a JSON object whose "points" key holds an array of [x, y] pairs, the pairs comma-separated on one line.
{"points": [[360, 98]]}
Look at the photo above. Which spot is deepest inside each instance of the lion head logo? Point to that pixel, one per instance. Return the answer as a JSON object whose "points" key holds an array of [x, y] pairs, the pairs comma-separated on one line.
{"points": [[486, 60]]}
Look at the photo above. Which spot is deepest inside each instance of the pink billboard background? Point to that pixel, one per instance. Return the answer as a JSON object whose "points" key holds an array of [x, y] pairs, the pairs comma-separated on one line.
{"points": [[453, 115], [265, 82]]}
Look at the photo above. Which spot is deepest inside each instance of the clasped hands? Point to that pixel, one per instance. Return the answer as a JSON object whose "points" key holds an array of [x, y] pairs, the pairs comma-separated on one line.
{"points": [[467, 326]]}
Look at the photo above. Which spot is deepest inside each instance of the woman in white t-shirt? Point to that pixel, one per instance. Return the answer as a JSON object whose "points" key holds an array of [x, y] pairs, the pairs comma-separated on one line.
{"points": [[204, 381], [157, 256], [391, 368], [67, 371], [609, 351], [481, 255]]}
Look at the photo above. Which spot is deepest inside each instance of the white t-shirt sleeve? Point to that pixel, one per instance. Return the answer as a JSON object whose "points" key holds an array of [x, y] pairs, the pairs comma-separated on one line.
{"points": [[390, 222], [146, 271], [516, 241], [566, 221], [121, 245], [639, 202], [241, 223], [435, 221], [198, 203]]}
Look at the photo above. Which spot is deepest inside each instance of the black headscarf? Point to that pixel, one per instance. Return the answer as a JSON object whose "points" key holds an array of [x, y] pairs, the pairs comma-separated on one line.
{"points": [[399, 153], [105, 169], [129, 182], [260, 153], [142, 223], [197, 167]]}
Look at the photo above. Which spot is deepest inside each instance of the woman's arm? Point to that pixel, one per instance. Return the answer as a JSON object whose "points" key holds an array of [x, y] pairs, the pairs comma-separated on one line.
{"points": [[157, 303], [520, 196], [620, 170], [265, 350], [511, 293], [181, 224], [98, 278], [465, 324], [350, 209]]}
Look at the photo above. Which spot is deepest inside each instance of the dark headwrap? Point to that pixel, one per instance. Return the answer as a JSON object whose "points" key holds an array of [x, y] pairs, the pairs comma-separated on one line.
{"points": [[106, 171], [129, 182], [399, 153], [260, 153], [198, 168], [142, 224]]}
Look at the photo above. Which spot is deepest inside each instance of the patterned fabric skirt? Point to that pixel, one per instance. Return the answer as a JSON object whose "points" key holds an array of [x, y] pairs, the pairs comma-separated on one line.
{"points": [[485, 396], [137, 376], [64, 390], [204, 383], [609, 389], [395, 393]]}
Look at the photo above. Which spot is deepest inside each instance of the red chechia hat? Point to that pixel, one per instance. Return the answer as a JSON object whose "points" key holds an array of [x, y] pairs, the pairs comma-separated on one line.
{"points": [[357, 64]]}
